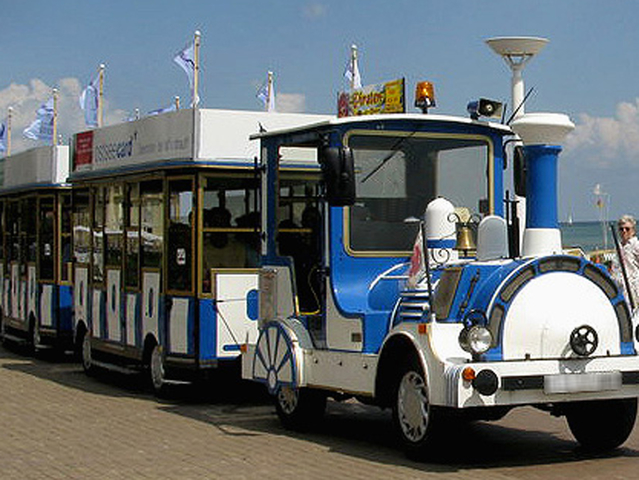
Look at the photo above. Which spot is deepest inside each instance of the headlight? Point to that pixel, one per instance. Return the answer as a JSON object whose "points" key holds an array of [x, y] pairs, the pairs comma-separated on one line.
{"points": [[479, 339]]}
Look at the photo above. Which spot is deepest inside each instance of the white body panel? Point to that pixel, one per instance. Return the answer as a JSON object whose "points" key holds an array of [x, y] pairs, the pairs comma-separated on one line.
{"points": [[113, 315], [179, 325], [37, 165], [131, 309], [200, 135], [81, 296], [95, 312], [234, 327], [531, 327], [32, 293], [342, 333], [15, 290], [150, 304], [46, 306]]}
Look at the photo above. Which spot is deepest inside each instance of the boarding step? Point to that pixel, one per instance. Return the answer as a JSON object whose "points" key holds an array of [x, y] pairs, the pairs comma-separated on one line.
{"points": [[8, 337]]}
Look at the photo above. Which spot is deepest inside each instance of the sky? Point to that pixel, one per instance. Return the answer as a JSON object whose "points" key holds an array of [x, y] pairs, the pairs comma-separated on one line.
{"points": [[589, 69]]}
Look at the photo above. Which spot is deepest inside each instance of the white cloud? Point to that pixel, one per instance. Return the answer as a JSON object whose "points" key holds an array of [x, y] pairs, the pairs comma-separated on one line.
{"points": [[25, 100], [314, 10], [604, 141], [290, 102]]}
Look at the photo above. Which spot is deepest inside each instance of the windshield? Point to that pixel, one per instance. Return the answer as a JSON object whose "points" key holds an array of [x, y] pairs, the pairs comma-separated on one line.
{"points": [[396, 178]]}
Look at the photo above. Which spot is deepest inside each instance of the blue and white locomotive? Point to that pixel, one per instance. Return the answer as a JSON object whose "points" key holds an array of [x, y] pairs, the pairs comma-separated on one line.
{"points": [[346, 309]]}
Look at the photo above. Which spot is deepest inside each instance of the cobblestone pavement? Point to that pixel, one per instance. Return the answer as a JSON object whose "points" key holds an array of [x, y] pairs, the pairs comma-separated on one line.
{"points": [[57, 423]]}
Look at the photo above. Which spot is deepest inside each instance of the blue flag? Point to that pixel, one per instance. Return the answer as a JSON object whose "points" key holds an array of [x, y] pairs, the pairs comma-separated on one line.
{"points": [[159, 111], [89, 102], [186, 60], [42, 127], [3, 137]]}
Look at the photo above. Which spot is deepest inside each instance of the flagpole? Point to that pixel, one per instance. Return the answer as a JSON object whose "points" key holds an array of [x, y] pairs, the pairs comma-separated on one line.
{"points": [[353, 63], [269, 91], [101, 95], [9, 115], [196, 68], [54, 138]]}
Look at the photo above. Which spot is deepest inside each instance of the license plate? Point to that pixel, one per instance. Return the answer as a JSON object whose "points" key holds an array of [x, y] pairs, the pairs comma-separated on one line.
{"points": [[582, 382]]}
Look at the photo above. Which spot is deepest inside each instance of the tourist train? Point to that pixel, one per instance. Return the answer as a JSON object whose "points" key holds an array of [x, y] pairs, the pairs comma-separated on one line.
{"points": [[377, 256]]}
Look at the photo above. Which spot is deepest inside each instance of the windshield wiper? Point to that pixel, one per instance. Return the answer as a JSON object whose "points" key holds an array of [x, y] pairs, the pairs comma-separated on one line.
{"points": [[390, 155]]}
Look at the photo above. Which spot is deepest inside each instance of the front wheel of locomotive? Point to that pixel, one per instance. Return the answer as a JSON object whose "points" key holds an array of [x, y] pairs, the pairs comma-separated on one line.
{"points": [[602, 425], [413, 415], [299, 409]]}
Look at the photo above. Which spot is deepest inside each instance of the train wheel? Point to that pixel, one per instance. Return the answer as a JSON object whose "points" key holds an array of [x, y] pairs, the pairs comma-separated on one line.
{"points": [[299, 408], [602, 425], [413, 415], [157, 372], [86, 353], [35, 338]]}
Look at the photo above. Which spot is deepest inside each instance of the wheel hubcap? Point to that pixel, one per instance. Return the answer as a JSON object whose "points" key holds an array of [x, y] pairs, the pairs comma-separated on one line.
{"points": [[288, 398], [157, 367], [86, 352], [412, 406], [36, 337]]}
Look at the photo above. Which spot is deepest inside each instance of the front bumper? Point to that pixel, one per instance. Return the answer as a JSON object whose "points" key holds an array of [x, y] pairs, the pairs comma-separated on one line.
{"points": [[542, 381]]}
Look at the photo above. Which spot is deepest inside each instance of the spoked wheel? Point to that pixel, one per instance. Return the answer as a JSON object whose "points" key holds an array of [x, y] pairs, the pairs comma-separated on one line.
{"points": [[300, 408], [413, 414], [157, 372], [602, 425], [86, 354]]}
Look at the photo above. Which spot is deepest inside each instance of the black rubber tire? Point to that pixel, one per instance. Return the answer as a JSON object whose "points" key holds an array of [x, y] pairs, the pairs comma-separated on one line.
{"points": [[300, 409], [157, 371], [416, 421], [602, 425]]}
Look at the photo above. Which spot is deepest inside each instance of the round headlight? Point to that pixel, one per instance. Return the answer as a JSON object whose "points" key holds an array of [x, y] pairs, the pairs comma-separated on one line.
{"points": [[479, 339]]}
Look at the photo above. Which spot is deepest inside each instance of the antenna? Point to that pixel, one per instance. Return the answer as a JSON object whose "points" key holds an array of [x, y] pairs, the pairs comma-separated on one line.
{"points": [[517, 52]]}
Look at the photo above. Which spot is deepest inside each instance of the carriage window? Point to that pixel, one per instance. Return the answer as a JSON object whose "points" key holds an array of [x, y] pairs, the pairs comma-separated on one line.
{"points": [[30, 212], [98, 235], [152, 222], [81, 228], [65, 237], [180, 235], [231, 224], [46, 248], [113, 226], [13, 232], [131, 272]]}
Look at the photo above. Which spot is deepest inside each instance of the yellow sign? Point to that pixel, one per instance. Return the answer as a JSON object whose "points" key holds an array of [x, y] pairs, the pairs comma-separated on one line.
{"points": [[372, 99]]}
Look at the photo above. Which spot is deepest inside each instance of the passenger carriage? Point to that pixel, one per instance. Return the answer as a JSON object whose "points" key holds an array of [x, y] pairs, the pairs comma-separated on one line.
{"points": [[473, 332], [35, 249], [166, 229]]}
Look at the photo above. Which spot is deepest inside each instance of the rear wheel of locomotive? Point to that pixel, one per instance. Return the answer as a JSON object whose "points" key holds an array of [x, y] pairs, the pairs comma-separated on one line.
{"points": [[300, 408], [413, 415], [602, 425]]}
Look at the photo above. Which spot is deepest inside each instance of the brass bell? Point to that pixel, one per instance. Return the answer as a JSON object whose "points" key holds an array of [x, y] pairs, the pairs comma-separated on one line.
{"points": [[465, 240]]}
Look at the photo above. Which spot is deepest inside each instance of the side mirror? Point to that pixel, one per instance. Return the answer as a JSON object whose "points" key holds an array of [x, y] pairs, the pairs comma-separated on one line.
{"points": [[519, 171], [338, 168]]}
